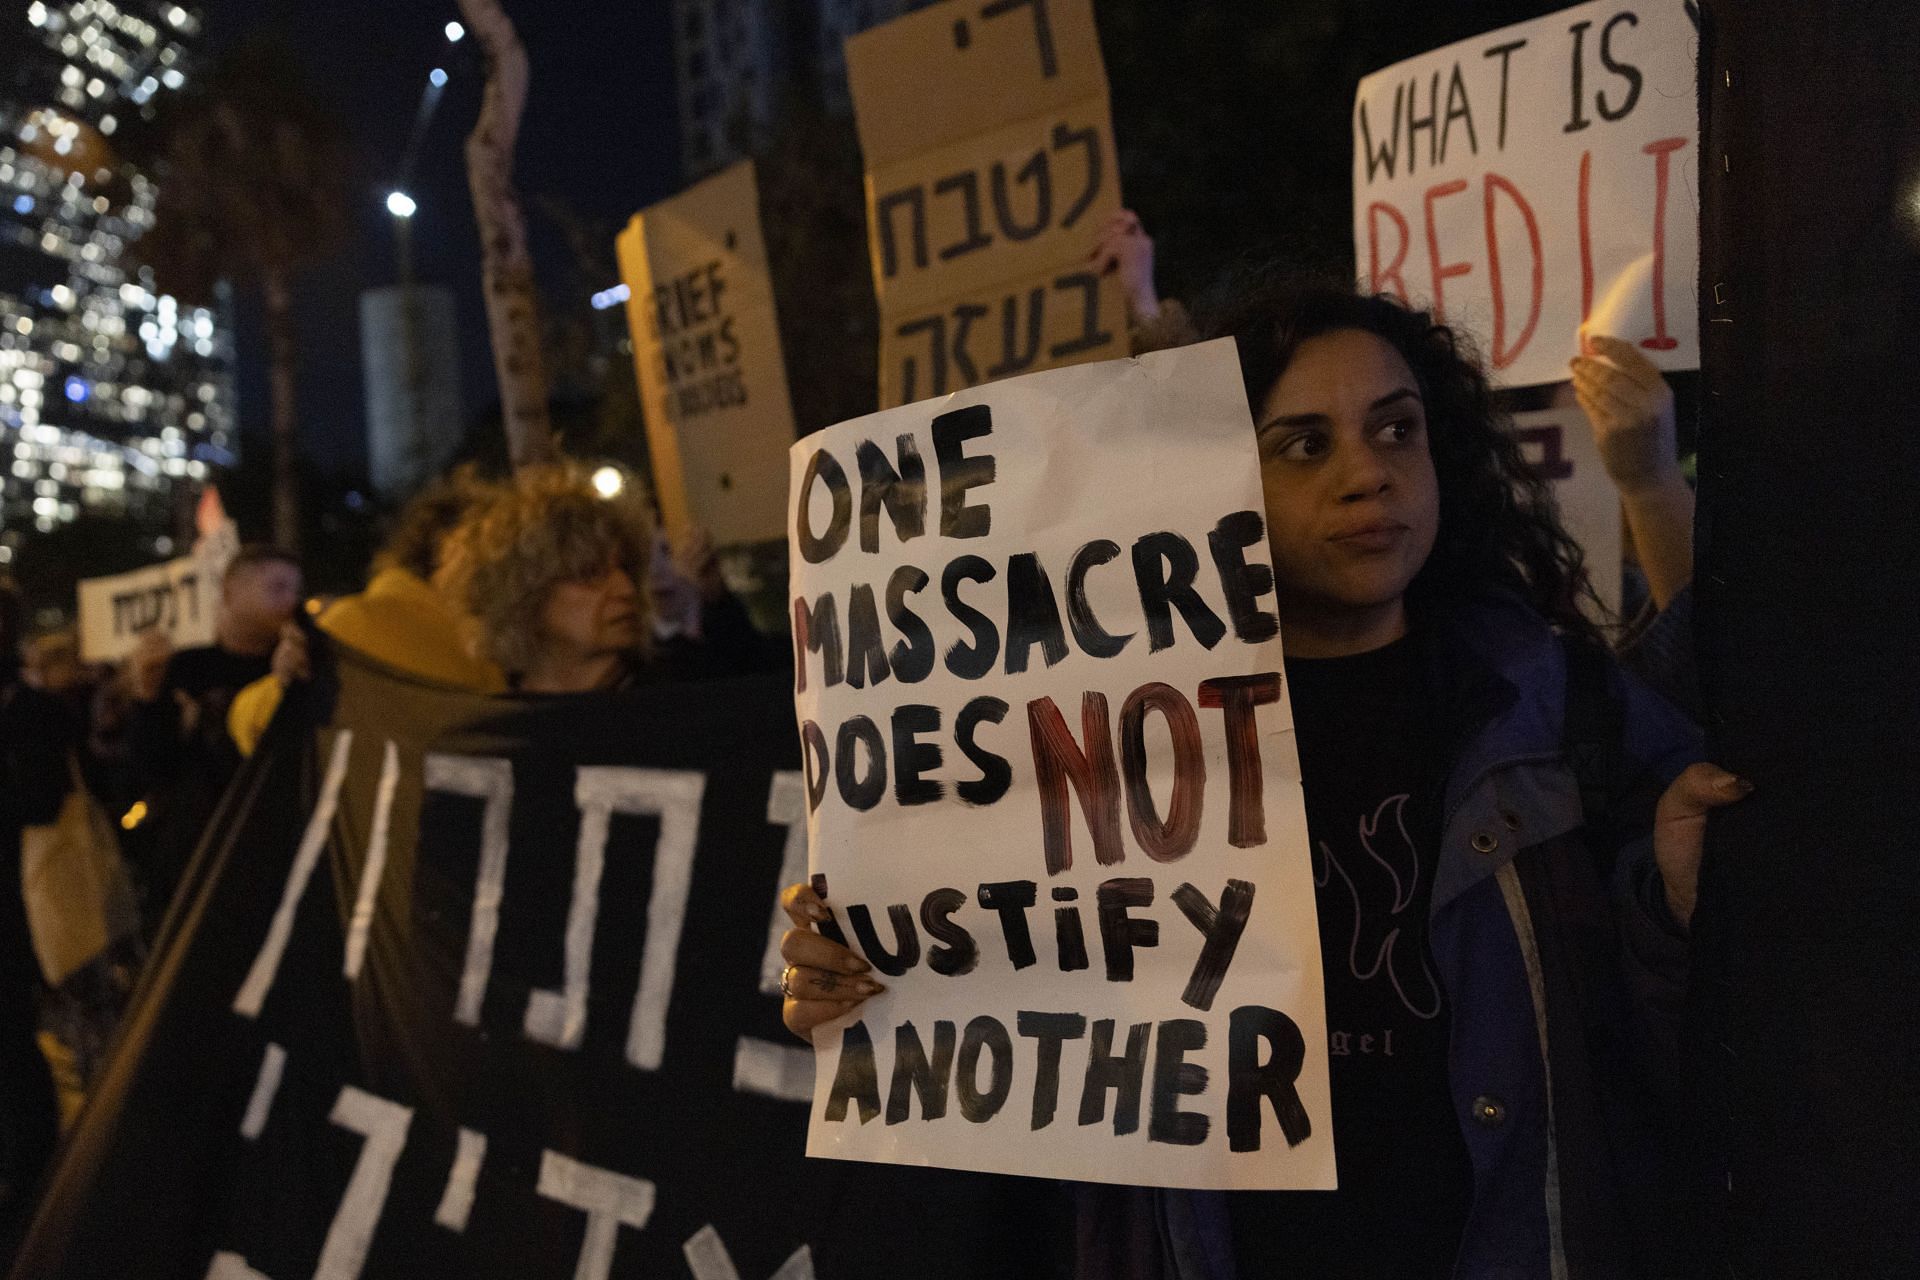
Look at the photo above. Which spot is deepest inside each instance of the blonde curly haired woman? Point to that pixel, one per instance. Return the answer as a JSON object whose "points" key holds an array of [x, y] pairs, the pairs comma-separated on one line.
{"points": [[554, 575]]}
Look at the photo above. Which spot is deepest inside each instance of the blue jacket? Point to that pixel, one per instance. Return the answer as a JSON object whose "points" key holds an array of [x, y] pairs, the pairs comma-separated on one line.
{"points": [[1565, 975]]}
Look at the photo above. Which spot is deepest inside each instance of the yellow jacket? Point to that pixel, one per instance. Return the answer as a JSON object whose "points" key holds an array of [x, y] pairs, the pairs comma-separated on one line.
{"points": [[399, 620]]}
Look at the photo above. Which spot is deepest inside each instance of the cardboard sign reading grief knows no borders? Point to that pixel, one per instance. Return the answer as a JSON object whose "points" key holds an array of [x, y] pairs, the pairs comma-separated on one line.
{"points": [[1053, 791], [706, 344]]}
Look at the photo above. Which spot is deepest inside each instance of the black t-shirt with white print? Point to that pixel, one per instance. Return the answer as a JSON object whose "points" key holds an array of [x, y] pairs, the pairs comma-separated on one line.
{"points": [[1373, 768]]}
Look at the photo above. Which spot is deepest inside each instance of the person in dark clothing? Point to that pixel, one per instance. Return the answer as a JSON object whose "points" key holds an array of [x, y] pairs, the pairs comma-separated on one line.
{"points": [[51, 664], [701, 630], [180, 752], [35, 737], [1503, 924], [400, 619], [1374, 805]]}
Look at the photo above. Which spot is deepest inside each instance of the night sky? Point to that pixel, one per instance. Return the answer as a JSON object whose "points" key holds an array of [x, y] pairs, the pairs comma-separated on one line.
{"points": [[600, 134]]}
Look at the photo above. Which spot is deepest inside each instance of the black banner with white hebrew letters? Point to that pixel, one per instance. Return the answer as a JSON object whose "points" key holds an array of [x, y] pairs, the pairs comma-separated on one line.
{"points": [[465, 986]]}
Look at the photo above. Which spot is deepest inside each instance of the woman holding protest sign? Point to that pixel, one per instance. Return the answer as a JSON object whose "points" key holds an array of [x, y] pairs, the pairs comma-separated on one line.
{"points": [[1626, 400], [1507, 839]]}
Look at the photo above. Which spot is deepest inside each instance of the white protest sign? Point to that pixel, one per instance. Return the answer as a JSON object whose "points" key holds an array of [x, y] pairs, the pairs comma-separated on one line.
{"points": [[1054, 794], [178, 597], [1542, 175], [1559, 445]]}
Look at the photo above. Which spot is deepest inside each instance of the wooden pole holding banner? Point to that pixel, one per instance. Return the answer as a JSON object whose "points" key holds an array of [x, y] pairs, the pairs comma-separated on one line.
{"points": [[1805, 962], [506, 267]]}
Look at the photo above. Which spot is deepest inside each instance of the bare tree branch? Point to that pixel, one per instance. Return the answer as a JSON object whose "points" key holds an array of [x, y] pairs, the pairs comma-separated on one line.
{"points": [[513, 311]]}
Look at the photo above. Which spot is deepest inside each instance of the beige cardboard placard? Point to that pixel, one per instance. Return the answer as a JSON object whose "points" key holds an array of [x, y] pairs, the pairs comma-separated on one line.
{"points": [[1041, 322], [706, 344], [969, 66], [990, 170], [1022, 199]]}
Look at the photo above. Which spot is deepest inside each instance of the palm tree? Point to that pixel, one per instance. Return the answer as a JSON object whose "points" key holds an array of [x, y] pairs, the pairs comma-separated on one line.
{"points": [[254, 185]]}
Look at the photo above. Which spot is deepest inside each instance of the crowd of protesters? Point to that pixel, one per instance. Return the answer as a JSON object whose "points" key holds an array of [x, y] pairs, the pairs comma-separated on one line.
{"points": [[1459, 630], [538, 585]]}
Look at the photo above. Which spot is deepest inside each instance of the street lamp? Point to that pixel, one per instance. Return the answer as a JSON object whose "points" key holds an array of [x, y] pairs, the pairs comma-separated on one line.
{"points": [[400, 204], [608, 482]]}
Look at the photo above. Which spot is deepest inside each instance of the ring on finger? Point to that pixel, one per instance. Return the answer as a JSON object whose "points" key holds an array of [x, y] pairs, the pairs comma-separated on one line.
{"points": [[786, 983]]}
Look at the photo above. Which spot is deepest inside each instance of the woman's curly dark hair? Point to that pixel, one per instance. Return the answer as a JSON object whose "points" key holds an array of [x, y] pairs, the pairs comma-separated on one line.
{"points": [[549, 525], [422, 525], [1499, 525]]}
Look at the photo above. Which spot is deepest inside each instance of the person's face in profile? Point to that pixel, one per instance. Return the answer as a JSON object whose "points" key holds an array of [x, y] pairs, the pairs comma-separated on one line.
{"points": [[593, 616], [260, 599]]}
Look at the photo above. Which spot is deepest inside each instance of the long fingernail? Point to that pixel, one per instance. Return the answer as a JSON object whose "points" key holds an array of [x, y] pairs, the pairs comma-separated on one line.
{"points": [[1739, 786], [857, 965], [867, 986], [816, 911]]}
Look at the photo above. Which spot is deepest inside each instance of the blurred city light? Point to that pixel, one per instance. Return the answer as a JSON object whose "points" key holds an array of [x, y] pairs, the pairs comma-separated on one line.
{"points": [[400, 204], [454, 32], [608, 482], [610, 297]]}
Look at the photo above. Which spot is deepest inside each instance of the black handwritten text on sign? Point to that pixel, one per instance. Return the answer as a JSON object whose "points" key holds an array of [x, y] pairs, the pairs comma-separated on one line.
{"points": [[947, 217], [166, 605], [1052, 794], [974, 341], [699, 357]]}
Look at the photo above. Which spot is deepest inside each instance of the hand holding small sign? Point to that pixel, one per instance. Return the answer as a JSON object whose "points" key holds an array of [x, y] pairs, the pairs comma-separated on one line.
{"points": [[1627, 399], [1631, 407], [823, 979], [1126, 249], [146, 668]]}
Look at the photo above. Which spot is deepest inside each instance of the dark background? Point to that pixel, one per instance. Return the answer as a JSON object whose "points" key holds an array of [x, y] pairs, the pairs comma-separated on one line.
{"points": [[600, 134], [1232, 120]]}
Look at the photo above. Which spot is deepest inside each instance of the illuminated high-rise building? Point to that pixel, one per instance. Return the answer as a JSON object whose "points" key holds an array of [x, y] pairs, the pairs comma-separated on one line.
{"points": [[733, 57], [112, 395]]}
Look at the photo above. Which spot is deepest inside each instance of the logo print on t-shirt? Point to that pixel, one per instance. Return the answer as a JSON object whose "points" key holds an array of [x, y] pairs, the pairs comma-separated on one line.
{"points": [[1380, 887]]}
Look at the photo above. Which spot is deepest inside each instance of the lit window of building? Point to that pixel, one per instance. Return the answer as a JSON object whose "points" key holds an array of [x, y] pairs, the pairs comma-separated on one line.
{"points": [[96, 367]]}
